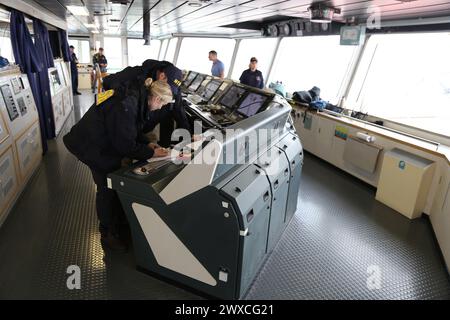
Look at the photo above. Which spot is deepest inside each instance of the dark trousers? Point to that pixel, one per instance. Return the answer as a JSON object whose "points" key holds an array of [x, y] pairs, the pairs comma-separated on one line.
{"points": [[74, 82], [109, 209]]}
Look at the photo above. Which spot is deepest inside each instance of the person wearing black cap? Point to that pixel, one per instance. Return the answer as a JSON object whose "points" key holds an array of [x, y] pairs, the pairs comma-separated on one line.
{"points": [[157, 70], [110, 132], [252, 76]]}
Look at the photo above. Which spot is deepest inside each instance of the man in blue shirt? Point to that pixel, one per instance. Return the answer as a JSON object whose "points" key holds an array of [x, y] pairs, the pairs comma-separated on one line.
{"points": [[252, 76], [218, 68]]}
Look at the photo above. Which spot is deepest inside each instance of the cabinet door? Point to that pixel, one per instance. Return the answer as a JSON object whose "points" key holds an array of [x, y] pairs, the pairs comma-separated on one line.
{"points": [[306, 127], [8, 179], [324, 138]]}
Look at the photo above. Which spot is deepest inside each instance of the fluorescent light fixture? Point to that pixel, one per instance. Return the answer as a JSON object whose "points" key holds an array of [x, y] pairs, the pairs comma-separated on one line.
{"points": [[78, 10], [90, 25], [4, 16], [95, 31], [195, 4]]}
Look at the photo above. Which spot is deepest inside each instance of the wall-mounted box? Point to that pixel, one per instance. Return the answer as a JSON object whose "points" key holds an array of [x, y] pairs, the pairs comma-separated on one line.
{"points": [[405, 182], [352, 35]]}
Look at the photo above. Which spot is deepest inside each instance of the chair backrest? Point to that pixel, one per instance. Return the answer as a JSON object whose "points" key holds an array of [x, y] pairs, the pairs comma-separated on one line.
{"points": [[99, 78]]}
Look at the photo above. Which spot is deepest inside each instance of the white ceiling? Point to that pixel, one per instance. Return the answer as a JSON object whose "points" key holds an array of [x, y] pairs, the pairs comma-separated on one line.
{"points": [[177, 16]]}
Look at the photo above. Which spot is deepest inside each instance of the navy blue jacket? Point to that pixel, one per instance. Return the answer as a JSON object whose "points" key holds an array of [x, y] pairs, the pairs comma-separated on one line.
{"points": [[111, 131], [73, 63], [252, 78]]}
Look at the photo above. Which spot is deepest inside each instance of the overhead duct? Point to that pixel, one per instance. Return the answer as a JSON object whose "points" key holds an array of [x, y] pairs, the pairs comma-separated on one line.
{"points": [[146, 35]]}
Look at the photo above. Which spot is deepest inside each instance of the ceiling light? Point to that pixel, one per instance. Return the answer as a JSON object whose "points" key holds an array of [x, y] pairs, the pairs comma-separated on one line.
{"points": [[90, 25], [4, 16], [78, 10], [94, 31], [195, 4]]}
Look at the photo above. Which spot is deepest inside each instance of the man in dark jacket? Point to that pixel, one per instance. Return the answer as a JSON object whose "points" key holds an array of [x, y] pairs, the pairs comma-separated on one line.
{"points": [[252, 76], [106, 134], [100, 59], [157, 70], [74, 70]]}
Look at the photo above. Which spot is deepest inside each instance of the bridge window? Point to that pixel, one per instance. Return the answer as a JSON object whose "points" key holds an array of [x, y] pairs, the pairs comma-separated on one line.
{"points": [[81, 49], [113, 53], [6, 49], [194, 53], [405, 78], [170, 55], [321, 61], [263, 49], [162, 52], [138, 53]]}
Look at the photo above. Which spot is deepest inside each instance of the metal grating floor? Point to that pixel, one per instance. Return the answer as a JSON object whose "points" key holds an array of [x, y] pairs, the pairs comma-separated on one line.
{"points": [[337, 233]]}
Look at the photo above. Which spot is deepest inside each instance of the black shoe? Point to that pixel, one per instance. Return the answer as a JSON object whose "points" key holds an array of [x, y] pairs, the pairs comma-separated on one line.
{"points": [[110, 241], [78, 93]]}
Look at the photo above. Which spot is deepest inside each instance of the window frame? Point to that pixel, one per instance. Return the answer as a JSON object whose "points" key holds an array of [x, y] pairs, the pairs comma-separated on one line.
{"points": [[389, 124]]}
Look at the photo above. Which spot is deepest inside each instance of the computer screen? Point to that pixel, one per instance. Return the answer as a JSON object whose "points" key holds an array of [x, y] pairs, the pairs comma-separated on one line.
{"points": [[251, 104], [55, 82], [232, 96], [196, 83], [190, 78], [210, 89]]}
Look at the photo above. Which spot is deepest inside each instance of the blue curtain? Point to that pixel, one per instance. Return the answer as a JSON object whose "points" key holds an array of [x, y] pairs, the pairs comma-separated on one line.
{"points": [[31, 62], [23, 48], [45, 54], [42, 43], [64, 45]]}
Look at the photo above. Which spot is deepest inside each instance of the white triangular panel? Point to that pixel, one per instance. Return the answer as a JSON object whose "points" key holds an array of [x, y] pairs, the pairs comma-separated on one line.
{"points": [[168, 250]]}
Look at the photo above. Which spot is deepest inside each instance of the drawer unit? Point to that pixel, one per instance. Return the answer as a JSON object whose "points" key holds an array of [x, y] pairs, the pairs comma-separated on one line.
{"points": [[275, 166], [58, 112], [292, 148], [8, 180], [29, 150], [67, 106], [251, 195]]}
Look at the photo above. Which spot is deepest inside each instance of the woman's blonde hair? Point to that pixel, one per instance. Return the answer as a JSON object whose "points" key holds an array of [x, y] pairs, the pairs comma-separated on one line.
{"points": [[159, 89]]}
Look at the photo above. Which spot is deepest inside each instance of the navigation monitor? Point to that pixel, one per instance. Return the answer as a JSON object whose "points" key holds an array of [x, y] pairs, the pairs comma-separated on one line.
{"points": [[232, 96], [210, 89], [196, 83], [55, 81], [190, 78], [251, 104]]}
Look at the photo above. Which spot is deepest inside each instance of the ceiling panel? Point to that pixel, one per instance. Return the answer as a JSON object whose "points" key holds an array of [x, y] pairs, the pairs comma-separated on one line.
{"points": [[176, 16]]}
